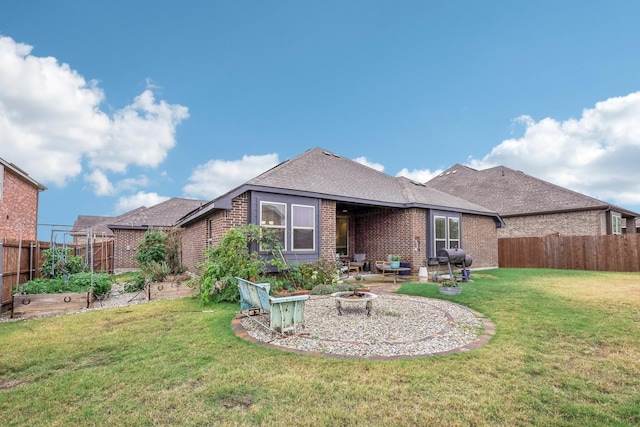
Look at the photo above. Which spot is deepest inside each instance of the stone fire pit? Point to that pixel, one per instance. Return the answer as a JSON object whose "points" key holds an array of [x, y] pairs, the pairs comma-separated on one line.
{"points": [[354, 296]]}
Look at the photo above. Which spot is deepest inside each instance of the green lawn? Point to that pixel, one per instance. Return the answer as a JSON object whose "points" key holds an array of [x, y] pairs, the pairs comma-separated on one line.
{"points": [[566, 352]]}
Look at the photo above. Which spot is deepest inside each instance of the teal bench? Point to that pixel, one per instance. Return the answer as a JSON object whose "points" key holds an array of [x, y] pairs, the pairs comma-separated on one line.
{"points": [[285, 313]]}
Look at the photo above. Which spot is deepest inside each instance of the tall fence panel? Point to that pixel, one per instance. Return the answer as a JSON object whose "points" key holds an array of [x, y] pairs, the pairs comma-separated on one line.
{"points": [[601, 253], [21, 261]]}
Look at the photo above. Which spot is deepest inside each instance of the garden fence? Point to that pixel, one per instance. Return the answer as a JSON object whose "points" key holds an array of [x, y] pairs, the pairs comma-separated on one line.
{"points": [[601, 253], [22, 261]]}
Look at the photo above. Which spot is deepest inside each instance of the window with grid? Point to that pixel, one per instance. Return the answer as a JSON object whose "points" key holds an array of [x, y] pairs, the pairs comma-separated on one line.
{"points": [[273, 216], [446, 232]]}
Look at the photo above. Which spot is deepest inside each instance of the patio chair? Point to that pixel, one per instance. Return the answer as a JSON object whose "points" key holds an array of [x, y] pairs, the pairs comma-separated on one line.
{"points": [[380, 265], [358, 263]]}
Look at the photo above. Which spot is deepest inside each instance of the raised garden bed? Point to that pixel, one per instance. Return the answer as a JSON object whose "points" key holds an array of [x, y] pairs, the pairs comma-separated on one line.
{"points": [[166, 290], [33, 305], [41, 296]]}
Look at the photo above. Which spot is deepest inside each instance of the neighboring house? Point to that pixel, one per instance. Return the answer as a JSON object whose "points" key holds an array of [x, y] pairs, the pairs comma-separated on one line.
{"points": [[532, 207], [19, 196], [94, 228], [129, 228], [323, 204]]}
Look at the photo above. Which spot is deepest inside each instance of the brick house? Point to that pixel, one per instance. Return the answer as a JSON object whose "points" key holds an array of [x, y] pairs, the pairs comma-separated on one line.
{"points": [[324, 204], [19, 195], [531, 207], [129, 228]]}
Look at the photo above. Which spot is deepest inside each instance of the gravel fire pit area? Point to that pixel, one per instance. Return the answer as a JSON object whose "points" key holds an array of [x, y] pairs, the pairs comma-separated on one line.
{"points": [[398, 326]]}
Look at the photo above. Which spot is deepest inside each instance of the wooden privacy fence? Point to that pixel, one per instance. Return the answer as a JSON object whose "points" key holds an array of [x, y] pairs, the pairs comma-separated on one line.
{"points": [[602, 253], [21, 262]]}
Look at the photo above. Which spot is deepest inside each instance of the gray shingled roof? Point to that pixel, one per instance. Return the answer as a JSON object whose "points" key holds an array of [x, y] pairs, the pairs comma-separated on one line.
{"points": [[97, 224], [164, 214], [510, 192], [320, 173]]}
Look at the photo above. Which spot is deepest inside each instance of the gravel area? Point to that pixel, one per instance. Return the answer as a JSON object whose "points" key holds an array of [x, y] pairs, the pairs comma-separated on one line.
{"points": [[399, 326]]}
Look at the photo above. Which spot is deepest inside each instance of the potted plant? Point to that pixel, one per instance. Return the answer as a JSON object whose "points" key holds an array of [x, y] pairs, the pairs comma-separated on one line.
{"points": [[395, 261], [449, 287]]}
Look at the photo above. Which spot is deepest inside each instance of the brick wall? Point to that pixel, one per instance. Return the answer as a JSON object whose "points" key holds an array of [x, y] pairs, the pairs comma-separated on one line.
{"points": [[18, 208], [194, 242], [480, 240], [328, 229], [380, 232], [195, 238], [125, 247], [585, 223]]}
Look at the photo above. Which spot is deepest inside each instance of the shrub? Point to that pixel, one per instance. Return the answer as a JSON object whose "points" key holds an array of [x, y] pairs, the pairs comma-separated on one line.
{"points": [[155, 271], [151, 248], [172, 249]]}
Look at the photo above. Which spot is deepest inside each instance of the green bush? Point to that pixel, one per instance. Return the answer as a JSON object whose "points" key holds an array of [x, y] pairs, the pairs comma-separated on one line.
{"points": [[155, 271], [99, 283], [151, 248]]}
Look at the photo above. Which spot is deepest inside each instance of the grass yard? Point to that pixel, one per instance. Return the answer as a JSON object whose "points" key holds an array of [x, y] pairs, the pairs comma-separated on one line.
{"points": [[566, 353]]}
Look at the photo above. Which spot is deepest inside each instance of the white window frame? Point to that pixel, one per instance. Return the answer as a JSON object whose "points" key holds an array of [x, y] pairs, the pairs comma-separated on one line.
{"points": [[616, 224], [449, 239], [264, 224], [436, 239], [447, 231], [295, 227]]}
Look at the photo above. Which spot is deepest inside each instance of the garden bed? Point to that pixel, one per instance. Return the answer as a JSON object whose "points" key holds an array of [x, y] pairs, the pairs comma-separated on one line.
{"points": [[166, 290], [34, 305]]}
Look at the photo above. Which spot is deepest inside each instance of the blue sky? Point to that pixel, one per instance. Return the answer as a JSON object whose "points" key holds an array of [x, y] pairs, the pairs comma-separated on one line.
{"points": [[120, 104]]}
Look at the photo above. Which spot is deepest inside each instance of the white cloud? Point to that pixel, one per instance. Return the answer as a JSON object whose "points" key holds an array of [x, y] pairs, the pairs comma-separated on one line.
{"points": [[597, 154], [216, 177], [100, 183], [51, 122], [419, 175], [372, 165], [128, 203]]}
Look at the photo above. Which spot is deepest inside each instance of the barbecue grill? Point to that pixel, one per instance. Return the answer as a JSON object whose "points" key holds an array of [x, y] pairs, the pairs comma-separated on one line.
{"points": [[452, 257]]}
